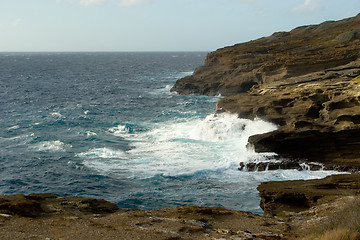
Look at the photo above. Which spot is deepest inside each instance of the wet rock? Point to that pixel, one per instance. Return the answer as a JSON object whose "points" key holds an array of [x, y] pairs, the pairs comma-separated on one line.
{"points": [[272, 165], [335, 150]]}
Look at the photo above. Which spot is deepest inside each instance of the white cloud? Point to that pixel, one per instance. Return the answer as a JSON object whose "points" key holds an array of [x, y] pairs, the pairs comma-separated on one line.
{"points": [[16, 22], [91, 2], [83, 2], [130, 3], [308, 5]]}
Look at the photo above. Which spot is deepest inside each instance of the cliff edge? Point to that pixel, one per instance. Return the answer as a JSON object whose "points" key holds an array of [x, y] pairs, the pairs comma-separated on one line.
{"points": [[307, 81]]}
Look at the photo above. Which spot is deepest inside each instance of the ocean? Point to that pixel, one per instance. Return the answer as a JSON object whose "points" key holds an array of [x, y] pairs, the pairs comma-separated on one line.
{"points": [[105, 125]]}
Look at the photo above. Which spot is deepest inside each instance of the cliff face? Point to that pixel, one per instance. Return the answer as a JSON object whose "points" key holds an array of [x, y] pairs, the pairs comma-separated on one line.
{"points": [[279, 57], [306, 81]]}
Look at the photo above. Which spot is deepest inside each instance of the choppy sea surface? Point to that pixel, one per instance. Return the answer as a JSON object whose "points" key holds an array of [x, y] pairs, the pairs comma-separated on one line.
{"points": [[105, 125]]}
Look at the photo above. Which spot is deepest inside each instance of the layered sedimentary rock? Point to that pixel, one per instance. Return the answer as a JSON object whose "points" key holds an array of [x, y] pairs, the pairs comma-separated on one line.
{"points": [[300, 195], [307, 81], [47, 216], [45, 204]]}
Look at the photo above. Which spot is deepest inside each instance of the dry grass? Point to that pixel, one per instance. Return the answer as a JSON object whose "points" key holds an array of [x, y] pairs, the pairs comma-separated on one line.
{"points": [[335, 234], [357, 80], [344, 224]]}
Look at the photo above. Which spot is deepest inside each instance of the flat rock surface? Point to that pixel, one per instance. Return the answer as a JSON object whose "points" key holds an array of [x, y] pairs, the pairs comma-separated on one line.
{"points": [[75, 220], [81, 218]]}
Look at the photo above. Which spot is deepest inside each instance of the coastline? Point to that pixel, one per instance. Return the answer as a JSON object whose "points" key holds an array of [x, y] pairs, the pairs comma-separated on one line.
{"points": [[317, 109], [293, 210]]}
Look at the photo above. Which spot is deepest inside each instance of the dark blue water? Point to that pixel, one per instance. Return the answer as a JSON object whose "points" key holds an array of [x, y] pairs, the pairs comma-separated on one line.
{"points": [[105, 125]]}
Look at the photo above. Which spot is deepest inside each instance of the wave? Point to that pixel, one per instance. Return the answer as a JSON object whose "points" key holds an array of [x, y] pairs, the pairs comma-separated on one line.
{"points": [[120, 130], [56, 115], [13, 127], [52, 146], [103, 153], [180, 147]]}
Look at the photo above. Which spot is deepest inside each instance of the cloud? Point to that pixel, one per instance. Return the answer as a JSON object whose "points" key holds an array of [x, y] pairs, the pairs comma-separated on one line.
{"points": [[83, 2], [91, 2], [130, 3], [16, 22], [308, 6]]}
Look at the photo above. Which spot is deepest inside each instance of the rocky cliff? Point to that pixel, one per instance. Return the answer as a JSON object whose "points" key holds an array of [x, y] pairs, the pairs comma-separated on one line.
{"points": [[306, 81]]}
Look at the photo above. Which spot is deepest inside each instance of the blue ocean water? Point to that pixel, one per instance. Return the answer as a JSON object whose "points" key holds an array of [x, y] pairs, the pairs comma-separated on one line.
{"points": [[105, 125]]}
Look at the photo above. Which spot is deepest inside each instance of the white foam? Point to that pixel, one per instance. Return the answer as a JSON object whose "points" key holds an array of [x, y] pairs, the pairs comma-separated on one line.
{"points": [[119, 130], [187, 146], [13, 127], [52, 146], [103, 153], [56, 114], [184, 147], [90, 134]]}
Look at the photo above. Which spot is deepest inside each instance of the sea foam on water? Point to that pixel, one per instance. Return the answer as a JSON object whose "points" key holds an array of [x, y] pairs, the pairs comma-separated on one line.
{"points": [[179, 147]]}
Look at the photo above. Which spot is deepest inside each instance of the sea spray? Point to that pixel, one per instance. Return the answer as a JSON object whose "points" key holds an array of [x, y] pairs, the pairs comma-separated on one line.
{"points": [[179, 147]]}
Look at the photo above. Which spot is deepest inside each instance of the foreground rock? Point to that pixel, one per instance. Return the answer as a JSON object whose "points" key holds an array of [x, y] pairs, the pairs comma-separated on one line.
{"points": [[307, 81], [42, 205], [292, 210], [46, 216], [300, 195]]}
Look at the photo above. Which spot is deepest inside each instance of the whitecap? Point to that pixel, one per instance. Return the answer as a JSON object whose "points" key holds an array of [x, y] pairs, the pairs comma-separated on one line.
{"points": [[56, 114], [14, 127], [103, 153], [90, 134], [120, 130], [52, 146]]}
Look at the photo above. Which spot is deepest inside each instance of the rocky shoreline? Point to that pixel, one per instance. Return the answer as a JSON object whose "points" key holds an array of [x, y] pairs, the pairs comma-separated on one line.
{"points": [[47, 216], [307, 81]]}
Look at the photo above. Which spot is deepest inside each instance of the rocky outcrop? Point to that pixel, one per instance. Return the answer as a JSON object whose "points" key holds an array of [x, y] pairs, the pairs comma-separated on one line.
{"points": [[283, 55], [42, 205], [282, 163], [277, 198], [306, 81], [46, 216], [292, 210]]}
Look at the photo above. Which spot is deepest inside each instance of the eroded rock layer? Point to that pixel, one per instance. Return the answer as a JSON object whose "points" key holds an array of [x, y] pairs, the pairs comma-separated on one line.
{"points": [[277, 198], [307, 81]]}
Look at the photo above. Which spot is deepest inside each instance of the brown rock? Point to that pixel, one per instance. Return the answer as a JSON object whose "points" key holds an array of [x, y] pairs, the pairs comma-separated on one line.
{"points": [[306, 81], [300, 195], [308, 49], [41, 205], [335, 150], [20, 205]]}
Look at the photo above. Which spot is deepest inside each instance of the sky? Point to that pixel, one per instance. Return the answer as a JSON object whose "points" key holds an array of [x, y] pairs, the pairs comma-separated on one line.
{"points": [[154, 25]]}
